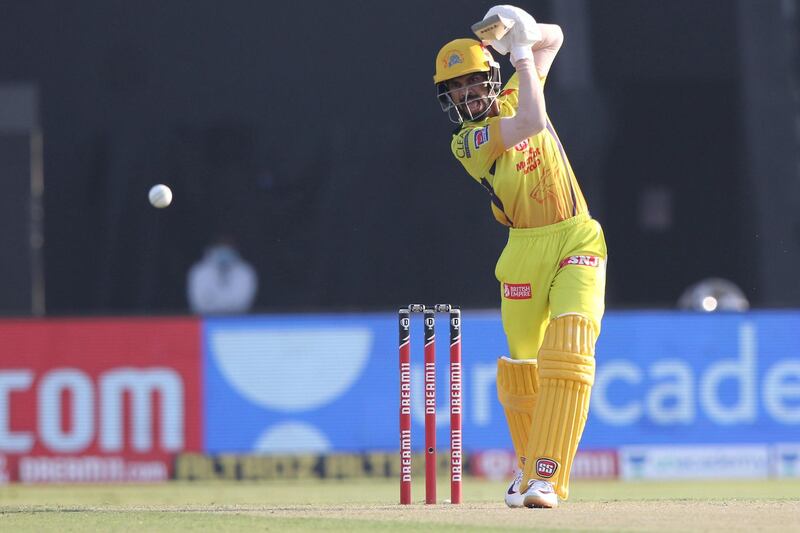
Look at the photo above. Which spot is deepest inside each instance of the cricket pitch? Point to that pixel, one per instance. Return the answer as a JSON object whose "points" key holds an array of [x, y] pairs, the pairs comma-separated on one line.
{"points": [[369, 505]]}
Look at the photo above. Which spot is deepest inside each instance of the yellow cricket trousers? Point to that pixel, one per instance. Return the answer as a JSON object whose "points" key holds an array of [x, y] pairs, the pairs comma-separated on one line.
{"points": [[547, 272]]}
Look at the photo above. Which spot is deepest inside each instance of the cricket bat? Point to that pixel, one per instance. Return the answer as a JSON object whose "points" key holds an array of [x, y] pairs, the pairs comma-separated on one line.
{"points": [[492, 28]]}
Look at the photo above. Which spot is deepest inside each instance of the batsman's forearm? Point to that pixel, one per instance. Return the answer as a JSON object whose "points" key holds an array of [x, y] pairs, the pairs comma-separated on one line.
{"points": [[531, 117], [552, 37], [544, 52]]}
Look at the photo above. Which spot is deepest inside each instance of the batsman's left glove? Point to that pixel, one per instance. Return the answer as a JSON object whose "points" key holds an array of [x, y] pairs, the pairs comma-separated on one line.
{"points": [[521, 37]]}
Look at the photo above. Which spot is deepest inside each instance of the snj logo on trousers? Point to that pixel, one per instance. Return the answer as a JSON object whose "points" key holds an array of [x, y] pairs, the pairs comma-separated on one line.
{"points": [[517, 291], [546, 467], [582, 260]]}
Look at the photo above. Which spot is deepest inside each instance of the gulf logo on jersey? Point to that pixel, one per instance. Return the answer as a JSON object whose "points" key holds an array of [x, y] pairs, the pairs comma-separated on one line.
{"points": [[517, 291], [582, 260], [481, 137]]}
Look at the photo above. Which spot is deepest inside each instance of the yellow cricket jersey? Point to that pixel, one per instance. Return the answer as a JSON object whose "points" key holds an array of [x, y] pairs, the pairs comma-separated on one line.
{"points": [[531, 184]]}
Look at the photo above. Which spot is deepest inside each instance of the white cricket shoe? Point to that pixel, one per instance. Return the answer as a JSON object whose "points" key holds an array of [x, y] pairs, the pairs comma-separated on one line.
{"points": [[513, 497], [540, 494]]}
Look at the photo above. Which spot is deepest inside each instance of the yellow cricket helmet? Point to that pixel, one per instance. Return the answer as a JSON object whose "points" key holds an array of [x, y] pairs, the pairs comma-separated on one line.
{"points": [[460, 57]]}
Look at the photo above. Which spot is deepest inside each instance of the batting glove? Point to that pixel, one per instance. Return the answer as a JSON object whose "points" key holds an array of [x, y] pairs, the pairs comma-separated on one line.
{"points": [[521, 37]]}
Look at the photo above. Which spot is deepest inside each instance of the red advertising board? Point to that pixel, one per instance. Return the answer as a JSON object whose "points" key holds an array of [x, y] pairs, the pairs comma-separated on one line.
{"points": [[98, 400]]}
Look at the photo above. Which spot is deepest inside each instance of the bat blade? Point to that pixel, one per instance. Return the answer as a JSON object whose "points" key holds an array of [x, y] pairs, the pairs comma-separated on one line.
{"points": [[492, 28]]}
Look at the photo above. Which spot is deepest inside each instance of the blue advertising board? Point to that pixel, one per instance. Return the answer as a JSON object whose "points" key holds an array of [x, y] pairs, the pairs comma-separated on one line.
{"points": [[325, 382], [666, 378]]}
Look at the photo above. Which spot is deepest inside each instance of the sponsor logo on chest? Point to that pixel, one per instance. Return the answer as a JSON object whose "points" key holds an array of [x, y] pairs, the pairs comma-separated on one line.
{"points": [[481, 137], [529, 157]]}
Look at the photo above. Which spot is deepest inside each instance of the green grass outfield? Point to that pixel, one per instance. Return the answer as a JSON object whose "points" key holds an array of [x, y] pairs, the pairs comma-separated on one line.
{"points": [[371, 505]]}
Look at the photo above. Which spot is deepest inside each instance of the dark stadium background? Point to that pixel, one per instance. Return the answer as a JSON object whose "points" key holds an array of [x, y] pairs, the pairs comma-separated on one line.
{"points": [[310, 133]]}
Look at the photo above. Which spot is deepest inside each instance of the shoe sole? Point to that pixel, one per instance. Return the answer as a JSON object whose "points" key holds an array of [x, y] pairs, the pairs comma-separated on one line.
{"points": [[539, 502]]}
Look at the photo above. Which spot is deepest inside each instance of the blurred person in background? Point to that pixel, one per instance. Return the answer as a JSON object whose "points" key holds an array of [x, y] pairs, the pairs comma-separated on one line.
{"points": [[552, 270], [713, 294], [221, 282]]}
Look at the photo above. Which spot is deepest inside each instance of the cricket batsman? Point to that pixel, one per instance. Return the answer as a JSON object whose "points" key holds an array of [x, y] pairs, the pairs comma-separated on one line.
{"points": [[552, 270]]}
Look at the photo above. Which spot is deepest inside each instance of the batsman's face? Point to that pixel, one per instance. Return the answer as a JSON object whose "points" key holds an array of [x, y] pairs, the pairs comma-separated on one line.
{"points": [[470, 92]]}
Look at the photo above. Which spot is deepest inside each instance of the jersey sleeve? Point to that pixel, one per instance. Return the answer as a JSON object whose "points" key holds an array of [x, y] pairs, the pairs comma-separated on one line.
{"points": [[510, 93], [477, 147]]}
